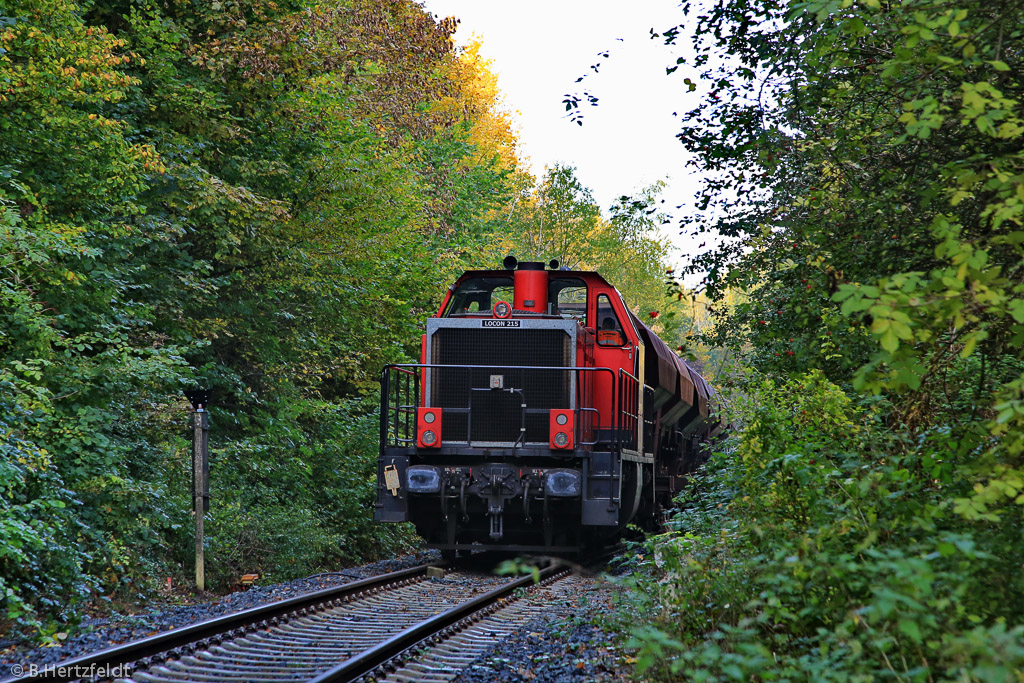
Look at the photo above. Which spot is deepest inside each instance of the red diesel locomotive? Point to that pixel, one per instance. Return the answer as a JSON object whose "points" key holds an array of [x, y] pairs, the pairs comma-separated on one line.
{"points": [[543, 416]]}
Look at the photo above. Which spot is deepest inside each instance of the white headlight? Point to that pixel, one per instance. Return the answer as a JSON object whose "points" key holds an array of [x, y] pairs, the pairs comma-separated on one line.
{"points": [[561, 439], [429, 437]]}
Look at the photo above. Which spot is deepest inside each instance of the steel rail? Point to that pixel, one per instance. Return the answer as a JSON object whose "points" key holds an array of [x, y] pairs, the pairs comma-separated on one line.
{"points": [[372, 658], [212, 630]]}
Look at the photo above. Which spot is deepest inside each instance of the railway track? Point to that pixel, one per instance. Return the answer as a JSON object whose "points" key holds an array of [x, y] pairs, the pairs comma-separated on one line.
{"points": [[403, 626], [444, 658]]}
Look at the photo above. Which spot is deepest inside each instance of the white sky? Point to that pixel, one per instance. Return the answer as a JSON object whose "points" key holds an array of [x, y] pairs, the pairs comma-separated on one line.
{"points": [[540, 48]]}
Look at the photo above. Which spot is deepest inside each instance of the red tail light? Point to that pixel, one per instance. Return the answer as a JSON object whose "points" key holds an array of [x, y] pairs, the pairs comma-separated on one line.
{"points": [[561, 434], [428, 427]]}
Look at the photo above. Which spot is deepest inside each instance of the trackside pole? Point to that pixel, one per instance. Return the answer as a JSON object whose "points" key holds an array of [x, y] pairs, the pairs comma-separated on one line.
{"points": [[200, 474], [200, 494]]}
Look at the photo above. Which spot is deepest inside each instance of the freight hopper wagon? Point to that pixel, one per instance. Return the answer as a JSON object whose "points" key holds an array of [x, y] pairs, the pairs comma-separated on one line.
{"points": [[543, 417]]}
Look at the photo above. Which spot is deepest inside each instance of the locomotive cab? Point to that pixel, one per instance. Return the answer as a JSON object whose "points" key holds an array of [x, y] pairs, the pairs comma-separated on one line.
{"points": [[524, 425]]}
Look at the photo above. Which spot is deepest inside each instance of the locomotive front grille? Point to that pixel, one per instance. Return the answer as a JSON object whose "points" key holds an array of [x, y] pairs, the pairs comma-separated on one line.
{"points": [[496, 415]]}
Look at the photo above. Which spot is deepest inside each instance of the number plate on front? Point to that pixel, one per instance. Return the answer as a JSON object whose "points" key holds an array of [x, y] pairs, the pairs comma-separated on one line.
{"points": [[499, 323]]}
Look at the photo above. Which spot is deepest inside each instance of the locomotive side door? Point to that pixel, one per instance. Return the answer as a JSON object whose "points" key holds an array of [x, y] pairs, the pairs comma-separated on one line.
{"points": [[616, 348]]}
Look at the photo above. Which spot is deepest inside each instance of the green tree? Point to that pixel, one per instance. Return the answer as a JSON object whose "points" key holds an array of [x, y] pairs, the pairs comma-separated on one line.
{"points": [[265, 198], [863, 160], [80, 360], [874, 174]]}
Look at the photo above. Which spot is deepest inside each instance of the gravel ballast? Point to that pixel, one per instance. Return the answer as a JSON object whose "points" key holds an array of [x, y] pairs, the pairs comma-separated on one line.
{"points": [[566, 647]]}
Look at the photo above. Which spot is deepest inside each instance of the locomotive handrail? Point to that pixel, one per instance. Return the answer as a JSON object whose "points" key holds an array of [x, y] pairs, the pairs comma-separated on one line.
{"points": [[385, 393], [627, 400], [581, 442], [413, 370]]}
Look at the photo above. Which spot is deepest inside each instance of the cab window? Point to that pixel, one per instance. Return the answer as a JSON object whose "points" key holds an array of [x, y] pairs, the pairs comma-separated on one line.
{"points": [[477, 295], [609, 329], [569, 298]]}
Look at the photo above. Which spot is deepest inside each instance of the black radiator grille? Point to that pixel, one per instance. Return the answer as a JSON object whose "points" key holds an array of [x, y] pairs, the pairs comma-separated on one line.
{"points": [[497, 416]]}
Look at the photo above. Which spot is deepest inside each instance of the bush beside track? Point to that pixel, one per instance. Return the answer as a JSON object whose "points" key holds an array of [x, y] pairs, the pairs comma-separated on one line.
{"points": [[822, 544]]}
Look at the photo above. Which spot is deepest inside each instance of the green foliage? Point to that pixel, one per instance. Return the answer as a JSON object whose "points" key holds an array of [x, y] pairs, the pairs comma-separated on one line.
{"points": [[261, 198], [519, 567], [36, 517], [289, 501], [865, 160], [821, 545], [877, 195]]}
